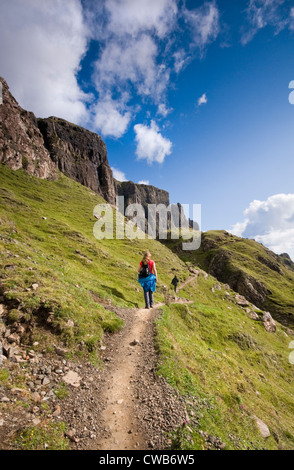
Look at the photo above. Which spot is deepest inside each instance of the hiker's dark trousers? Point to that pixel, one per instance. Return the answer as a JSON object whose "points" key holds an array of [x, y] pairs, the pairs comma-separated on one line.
{"points": [[148, 298]]}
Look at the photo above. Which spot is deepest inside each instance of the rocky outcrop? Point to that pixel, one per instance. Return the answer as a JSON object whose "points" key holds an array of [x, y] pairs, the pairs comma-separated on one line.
{"points": [[40, 146], [141, 194], [285, 259], [79, 154], [21, 142], [146, 195]]}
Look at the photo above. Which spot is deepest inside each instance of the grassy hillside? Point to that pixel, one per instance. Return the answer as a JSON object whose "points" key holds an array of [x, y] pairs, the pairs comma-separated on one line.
{"points": [[229, 368], [46, 238], [66, 285], [250, 268]]}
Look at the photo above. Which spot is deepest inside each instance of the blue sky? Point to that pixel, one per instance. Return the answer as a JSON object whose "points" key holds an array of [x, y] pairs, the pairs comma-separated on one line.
{"points": [[190, 96]]}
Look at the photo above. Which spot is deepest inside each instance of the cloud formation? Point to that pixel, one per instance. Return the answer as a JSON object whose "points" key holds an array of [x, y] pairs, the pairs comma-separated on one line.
{"points": [[262, 13], [204, 23], [118, 174], [271, 223], [202, 100], [139, 53], [42, 56], [151, 145]]}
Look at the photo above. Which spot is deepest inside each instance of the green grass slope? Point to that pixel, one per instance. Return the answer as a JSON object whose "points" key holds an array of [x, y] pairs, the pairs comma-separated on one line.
{"points": [[66, 285], [229, 368], [249, 268], [46, 238]]}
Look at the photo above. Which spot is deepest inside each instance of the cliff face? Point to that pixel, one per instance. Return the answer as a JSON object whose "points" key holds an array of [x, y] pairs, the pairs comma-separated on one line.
{"points": [[146, 194], [40, 146], [79, 154], [21, 142], [141, 194]]}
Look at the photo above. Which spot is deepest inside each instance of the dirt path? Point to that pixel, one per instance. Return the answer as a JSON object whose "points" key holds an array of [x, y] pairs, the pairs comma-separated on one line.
{"points": [[139, 406], [120, 418], [122, 430]]}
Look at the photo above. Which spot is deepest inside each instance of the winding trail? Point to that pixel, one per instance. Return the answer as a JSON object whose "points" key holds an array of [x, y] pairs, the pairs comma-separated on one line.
{"points": [[122, 429]]}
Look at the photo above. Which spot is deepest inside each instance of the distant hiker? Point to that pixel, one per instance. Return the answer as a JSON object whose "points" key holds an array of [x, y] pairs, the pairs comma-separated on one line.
{"points": [[175, 283], [147, 278]]}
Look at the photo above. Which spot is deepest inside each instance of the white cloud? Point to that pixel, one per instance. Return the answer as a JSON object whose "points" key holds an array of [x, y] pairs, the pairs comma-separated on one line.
{"points": [[202, 100], [146, 182], [118, 175], [292, 19], [270, 222], [126, 61], [204, 23], [163, 110], [262, 13], [151, 145], [111, 118], [181, 59], [132, 16], [42, 47]]}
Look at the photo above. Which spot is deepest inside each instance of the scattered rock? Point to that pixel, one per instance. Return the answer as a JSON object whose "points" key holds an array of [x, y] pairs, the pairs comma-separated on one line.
{"points": [[264, 430], [36, 397], [57, 411], [60, 351], [36, 421], [254, 316], [269, 323], [35, 286], [72, 378], [46, 381], [240, 299], [5, 400], [135, 342]]}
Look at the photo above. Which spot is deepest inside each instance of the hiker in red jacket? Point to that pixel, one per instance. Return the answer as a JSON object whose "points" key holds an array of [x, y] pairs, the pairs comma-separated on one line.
{"points": [[147, 278]]}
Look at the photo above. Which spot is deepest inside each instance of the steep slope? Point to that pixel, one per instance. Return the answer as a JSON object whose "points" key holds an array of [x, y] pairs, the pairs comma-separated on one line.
{"points": [[264, 278], [236, 376], [47, 240], [79, 154], [64, 292]]}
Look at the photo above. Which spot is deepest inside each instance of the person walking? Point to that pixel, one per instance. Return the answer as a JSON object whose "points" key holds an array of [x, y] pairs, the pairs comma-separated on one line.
{"points": [[175, 283], [148, 278]]}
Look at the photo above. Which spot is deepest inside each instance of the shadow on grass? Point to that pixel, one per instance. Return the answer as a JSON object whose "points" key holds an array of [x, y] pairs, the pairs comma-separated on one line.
{"points": [[116, 293]]}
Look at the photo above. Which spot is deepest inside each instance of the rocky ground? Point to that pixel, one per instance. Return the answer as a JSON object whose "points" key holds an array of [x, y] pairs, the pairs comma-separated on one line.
{"points": [[123, 404]]}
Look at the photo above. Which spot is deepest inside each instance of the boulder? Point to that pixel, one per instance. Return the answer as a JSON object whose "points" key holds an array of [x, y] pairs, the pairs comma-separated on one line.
{"points": [[72, 378], [264, 430], [269, 323]]}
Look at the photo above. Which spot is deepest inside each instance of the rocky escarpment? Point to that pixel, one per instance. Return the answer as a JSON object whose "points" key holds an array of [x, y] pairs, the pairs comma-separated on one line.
{"points": [[79, 154], [21, 142], [146, 195], [40, 146], [141, 194], [252, 270]]}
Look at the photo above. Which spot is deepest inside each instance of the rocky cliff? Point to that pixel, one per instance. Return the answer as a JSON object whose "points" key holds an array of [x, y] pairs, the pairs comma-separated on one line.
{"points": [[141, 194], [41, 146], [144, 195], [79, 154], [21, 142]]}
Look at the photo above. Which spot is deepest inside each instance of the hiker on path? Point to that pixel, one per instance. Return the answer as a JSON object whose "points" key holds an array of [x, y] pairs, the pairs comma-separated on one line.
{"points": [[175, 283], [147, 278]]}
